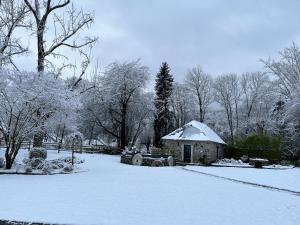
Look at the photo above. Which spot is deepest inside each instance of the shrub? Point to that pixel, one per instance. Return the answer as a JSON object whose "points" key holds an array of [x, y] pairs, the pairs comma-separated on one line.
{"points": [[156, 151], [255, 146], [68, 169], [112, 150], [165, 151], [203, 160], [36, 163], [38, 153], [28, 169], [47, 168]]}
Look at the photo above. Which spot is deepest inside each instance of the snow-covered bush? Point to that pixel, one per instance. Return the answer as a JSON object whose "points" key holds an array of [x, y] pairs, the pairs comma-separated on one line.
{"points": [[57, 164], [25, 161], [245, 158], [47, 167], [28, 169], [156, 151], [69, 160], [38, 153], [35, 163], [230, 162], [132, 150], [68, 169]]}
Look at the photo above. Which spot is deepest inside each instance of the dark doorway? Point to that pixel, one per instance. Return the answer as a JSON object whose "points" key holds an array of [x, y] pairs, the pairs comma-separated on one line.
{"points": [[187, 152]]}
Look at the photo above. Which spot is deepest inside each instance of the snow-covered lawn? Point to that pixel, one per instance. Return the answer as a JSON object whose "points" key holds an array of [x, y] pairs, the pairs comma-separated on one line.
{"points": [[280, 178], [111, 193]]}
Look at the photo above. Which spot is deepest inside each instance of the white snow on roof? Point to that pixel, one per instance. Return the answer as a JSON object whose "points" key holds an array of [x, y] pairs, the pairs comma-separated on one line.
{"points": [[194, 131]]}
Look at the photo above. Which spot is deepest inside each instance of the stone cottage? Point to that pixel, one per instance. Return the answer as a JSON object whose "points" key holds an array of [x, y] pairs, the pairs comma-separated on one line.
{"points": [[195, 142]]}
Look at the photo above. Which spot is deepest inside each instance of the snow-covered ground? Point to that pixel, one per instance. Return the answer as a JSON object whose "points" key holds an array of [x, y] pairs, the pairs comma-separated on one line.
{"points": [[111, 193], [280, 178]]}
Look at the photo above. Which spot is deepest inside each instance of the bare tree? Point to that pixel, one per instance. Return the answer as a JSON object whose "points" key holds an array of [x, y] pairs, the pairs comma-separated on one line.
{"points": [[286, 71], [139, 116], [255, 89], [227, 94], [66, 28], [12, 16], [22, 95], [182, 103], [199, 83], [254, 86], [119, 93]]}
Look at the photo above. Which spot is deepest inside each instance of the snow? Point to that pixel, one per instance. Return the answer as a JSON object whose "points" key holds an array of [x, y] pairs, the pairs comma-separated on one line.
{"points": [[280, 178], [111, 193], [95, 142], [194, 131], [231, 163]]}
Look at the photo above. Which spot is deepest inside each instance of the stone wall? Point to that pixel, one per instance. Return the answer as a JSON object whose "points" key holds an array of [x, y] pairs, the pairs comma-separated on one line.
{"points": [[203, 152]]}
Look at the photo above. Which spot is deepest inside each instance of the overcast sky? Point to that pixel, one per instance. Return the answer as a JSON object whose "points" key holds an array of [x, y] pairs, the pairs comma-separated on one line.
{"points": [[220, 35]]}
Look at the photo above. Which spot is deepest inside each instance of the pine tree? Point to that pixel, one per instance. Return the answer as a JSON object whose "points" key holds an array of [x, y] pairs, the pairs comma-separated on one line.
{"points": [[163, 89]]}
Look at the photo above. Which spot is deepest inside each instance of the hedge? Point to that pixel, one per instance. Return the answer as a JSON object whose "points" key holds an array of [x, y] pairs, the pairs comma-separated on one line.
{"points": [[256, 145]]}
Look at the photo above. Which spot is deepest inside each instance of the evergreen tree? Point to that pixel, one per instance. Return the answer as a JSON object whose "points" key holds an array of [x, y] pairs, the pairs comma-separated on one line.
{"points": [[163, 89]]}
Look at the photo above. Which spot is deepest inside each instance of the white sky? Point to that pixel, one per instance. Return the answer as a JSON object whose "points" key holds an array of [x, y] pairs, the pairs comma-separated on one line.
{"points": [[220, 35]]}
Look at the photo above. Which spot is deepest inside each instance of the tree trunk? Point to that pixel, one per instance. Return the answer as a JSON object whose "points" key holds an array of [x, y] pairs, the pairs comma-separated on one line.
{"points": [[40, 47], [123, 127], [8, 159], [8, 162], [61, 138], [10, 155], [230, 122], [92, 133], [38, 138], [157, 133], [201, 114], [237, 118]]}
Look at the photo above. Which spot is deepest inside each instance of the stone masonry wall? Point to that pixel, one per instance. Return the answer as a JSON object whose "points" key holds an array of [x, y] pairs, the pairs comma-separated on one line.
{"points": [[199, 150]]}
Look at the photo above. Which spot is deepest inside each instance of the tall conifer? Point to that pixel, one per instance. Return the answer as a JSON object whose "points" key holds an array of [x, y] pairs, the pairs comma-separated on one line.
{"points": [[163, 89]]}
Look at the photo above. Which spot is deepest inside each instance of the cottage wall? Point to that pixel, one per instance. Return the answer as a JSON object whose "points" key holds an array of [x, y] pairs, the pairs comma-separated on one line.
{"points": [[208, 151]]}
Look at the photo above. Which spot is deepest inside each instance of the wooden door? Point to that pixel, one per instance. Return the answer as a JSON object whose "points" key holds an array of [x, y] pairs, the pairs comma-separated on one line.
{"points": [[187, 153]]}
